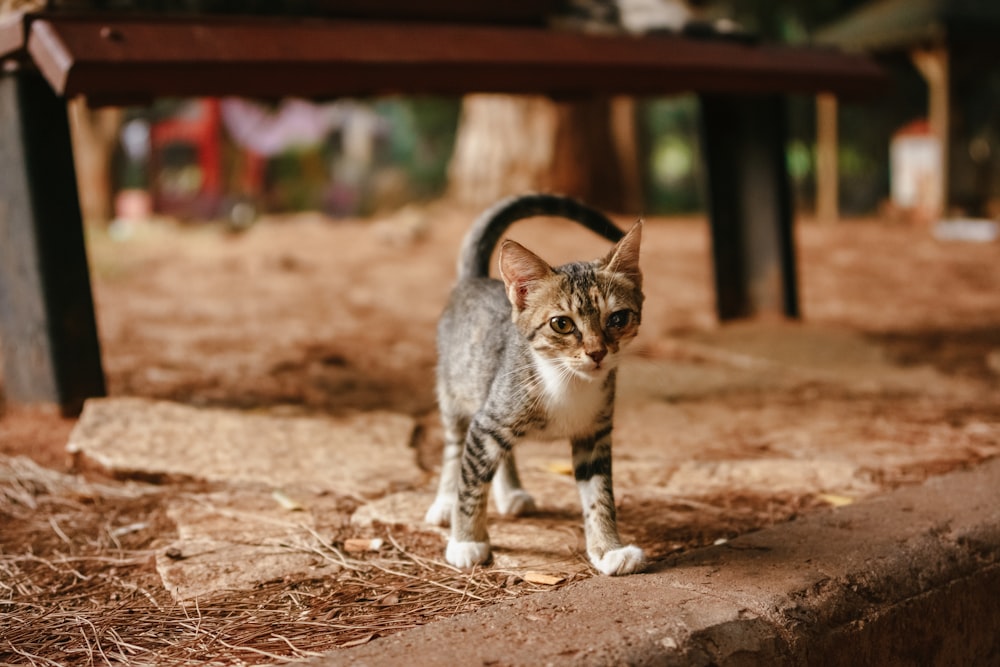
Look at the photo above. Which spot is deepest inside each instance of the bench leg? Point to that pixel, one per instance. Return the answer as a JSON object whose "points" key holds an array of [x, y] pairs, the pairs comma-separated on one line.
{"points": [[750, 205], [48, 331]]}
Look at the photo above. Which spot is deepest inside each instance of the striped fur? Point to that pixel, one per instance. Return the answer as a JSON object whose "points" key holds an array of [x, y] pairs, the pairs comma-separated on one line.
{"points": [[533, 355]]}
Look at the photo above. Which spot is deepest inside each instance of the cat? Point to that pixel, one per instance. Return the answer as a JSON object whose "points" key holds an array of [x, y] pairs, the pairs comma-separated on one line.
{"points": [[534, 354]]}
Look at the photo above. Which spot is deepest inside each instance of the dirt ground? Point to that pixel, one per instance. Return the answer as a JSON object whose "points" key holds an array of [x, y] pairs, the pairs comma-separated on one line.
{"points": [[338, 315], [305, 315]]}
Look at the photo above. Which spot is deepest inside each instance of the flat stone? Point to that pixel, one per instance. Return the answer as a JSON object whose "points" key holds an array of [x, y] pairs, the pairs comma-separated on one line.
{"points": [[683, 379], [201, 568], [406, 508], [249, 515], [806, 352], [768, 476], [550, 541], [236, 539], [364, 454]]}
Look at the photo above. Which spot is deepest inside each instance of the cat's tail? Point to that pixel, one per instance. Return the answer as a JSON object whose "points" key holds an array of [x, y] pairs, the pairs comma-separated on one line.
{"points": [[477, 248]]}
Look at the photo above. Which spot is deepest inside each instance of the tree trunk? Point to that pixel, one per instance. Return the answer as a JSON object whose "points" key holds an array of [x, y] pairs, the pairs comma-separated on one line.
{"points": [[503, 147], [95, 133], [509, 145]]}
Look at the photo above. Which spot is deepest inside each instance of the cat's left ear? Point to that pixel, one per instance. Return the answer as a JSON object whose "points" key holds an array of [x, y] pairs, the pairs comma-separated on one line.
{"points": [[624, 257], [520, 269]]}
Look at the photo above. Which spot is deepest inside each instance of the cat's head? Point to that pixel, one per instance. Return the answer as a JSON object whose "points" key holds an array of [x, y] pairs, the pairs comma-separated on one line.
{"points": [[577, 317]]}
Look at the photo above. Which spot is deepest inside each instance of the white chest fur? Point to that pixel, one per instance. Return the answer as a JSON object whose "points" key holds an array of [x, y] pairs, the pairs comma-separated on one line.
{"points": [[572, 403]]}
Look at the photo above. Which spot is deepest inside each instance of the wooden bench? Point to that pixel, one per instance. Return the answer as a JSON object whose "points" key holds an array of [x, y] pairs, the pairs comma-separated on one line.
{"points": [[47, 324]]}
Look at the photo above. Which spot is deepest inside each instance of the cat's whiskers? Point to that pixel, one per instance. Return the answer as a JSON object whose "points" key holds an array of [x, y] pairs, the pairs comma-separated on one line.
{"points": [[532, 388], [526, 366]]}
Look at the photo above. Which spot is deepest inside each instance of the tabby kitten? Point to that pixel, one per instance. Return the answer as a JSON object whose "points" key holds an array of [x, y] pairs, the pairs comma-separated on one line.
{"points": [[534, 355]]}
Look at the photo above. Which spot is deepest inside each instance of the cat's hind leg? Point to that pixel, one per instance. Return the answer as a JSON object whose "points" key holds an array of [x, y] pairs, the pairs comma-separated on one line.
{"points": [[592, 469], [440, 511], [508, 495]]}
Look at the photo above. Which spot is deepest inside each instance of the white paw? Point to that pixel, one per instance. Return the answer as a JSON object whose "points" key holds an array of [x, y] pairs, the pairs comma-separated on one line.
{"points": [[517, 503], [624, 560], [465, 555], [439, 513]]}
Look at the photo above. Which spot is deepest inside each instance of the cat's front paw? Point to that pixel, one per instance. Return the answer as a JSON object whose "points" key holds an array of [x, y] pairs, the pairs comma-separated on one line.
{"points": [[466, 555], [439, 513], [624, 560], [517, 503]]}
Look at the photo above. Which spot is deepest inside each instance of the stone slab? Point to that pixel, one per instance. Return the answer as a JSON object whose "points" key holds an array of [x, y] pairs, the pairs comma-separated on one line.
{"points": [[365, 454], [910, 577], [768, 475], [206, 567], [550, 541], [744, 358], [236, 539]]}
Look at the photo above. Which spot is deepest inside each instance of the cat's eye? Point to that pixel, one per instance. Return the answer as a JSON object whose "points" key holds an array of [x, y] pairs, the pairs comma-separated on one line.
{"points": [[562, 325], [619, 319]]}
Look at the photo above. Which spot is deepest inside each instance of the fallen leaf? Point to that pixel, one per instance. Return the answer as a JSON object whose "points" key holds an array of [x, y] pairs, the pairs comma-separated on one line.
{"points": [[357, 545], [560, 468], [835, 500], [543, 578], [286, 502]]}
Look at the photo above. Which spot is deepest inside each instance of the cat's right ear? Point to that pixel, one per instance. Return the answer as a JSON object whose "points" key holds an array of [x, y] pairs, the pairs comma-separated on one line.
{"points": [[520, 269], [624, 257]]}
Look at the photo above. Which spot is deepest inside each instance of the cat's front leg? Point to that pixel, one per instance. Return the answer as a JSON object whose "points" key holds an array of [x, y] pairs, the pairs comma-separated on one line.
{"points": [[592, 469], [470, 542]]}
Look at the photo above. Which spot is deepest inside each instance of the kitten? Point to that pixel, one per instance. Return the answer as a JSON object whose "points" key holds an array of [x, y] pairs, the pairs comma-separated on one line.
{"points": [[534, 355]]}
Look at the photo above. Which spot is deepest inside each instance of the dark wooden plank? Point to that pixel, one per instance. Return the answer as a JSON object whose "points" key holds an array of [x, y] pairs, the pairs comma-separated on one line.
{"points": [[320, 58], [750, 206], [50, 348], [524, 12]]}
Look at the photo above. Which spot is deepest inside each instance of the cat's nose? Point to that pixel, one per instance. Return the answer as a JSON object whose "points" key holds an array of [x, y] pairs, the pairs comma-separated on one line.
{"points": [[598, 354]]}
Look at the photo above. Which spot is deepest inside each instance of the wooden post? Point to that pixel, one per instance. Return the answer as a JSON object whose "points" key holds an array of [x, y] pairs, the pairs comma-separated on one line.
{"points": [[933, 65], [47, 326], [624, 136], [750, 205], [827, 179]]}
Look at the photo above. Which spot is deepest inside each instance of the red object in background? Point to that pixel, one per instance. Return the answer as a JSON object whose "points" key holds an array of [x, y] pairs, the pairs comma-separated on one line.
{"points": [[199, 128], [195, 184], [915, 128]]}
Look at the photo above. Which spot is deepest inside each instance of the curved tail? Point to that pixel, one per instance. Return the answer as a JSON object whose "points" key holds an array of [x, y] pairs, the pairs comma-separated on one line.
{"points": [[477, 248]]}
